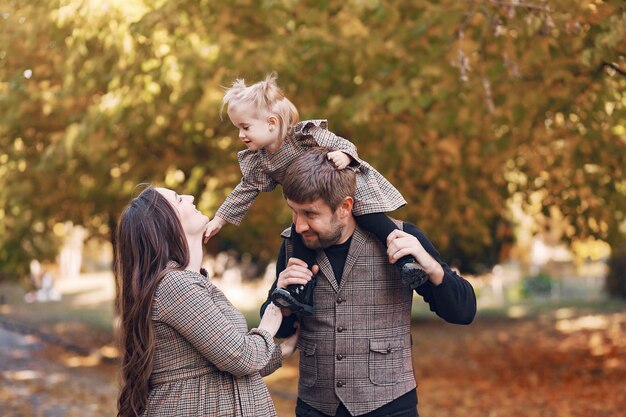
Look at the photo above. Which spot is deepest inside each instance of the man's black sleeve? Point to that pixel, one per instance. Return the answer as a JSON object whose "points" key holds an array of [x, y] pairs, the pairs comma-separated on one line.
{"points": [[453, 300], [286, 327]]}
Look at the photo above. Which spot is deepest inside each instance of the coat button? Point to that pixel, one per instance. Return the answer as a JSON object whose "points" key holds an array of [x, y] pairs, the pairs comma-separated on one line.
{"points": [[340, 300], [339, 356], [339, 384], [340, 329], [388, 350]]}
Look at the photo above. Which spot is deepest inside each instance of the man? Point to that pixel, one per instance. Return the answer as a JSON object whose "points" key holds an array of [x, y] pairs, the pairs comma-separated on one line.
{"points": [[355, 350]]}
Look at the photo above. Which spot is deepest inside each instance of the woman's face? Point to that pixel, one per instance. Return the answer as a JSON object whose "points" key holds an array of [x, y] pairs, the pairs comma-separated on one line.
{"points": [[194, 223]]}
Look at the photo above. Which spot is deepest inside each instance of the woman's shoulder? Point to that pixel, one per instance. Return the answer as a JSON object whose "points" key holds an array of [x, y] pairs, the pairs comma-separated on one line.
{"points": [[176, 280]]}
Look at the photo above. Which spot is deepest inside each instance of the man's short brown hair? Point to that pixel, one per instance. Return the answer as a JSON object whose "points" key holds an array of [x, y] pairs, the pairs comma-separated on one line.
{"points": [[313, 176]]}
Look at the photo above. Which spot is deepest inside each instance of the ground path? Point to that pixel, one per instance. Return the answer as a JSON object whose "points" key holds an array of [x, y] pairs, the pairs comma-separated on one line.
{"points": [[43, 380]]}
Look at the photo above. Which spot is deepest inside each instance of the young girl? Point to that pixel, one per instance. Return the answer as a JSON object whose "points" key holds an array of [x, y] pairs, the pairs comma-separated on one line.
{"points": [[268, 125]]}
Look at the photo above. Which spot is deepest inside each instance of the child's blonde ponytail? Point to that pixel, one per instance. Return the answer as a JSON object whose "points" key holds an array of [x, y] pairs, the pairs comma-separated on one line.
{"points": [[264, 96]]}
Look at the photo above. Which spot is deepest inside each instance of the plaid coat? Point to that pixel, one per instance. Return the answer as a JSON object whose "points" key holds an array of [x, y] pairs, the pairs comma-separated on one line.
{"points": [[206, 362], [262, 171], [356, 348]]}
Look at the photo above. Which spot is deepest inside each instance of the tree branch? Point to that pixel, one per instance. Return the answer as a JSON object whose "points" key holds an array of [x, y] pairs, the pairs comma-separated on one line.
{"points": [[613, 66], [520, 4]]}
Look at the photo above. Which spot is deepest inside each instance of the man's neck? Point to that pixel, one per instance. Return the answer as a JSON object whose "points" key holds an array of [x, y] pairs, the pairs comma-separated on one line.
{"points": [[348, 231]]}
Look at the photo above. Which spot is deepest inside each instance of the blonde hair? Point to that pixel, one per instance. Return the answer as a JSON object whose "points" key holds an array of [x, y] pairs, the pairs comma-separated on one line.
{"points": [[263, 96]]}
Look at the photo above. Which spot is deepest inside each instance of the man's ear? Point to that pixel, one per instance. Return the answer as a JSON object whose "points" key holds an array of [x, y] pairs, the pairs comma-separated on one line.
{"points": [[345, 209]]}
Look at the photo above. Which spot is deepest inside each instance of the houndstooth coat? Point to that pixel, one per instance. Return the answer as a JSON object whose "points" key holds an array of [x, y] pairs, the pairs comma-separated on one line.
{"points": [[263, 170], [206, 362]]}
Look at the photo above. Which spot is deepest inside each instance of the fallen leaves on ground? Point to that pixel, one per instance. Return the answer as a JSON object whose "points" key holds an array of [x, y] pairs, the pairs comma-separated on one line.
{"points": [[547, 367], [562, 364]]}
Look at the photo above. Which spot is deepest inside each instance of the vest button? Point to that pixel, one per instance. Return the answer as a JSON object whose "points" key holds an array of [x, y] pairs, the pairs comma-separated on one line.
{"points": [[340, 329], [340, 300], [339, 356], [388, 350], [339, 384]]}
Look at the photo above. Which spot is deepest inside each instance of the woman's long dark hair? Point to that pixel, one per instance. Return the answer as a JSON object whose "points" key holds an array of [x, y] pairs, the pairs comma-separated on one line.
{"points": [[149, 235]]}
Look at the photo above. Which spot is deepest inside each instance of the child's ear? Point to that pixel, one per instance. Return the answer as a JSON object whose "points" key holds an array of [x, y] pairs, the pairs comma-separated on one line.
{"points": [[272, 120]]}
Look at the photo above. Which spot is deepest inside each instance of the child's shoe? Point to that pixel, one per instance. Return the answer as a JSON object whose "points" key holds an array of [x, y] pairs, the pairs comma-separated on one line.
{"points": [[411, 273], [299, 298]]}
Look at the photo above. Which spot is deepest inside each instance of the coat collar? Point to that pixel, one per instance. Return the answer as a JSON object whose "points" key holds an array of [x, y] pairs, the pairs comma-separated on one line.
{"points": [[357, 244]]}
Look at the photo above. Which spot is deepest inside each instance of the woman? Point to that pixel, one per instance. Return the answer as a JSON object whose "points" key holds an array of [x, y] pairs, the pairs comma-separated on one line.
{"points": [[187, 350]]}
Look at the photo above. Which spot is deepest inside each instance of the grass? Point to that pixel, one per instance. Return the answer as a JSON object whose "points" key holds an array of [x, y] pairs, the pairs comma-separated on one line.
{"points": [[84, 315], [86, 307], [533, 308]]}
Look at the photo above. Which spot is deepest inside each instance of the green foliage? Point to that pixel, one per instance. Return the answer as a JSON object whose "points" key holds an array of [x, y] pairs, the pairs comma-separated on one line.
{"points": [[462, 105], [539, 284]]}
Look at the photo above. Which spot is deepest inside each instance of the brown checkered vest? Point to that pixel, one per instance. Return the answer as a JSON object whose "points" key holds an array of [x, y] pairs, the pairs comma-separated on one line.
{"points": [[356, 348]]}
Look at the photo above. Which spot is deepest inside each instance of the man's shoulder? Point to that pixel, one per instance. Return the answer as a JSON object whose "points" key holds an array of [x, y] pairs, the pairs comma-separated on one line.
{"points": [[412, 229], [406, 226]]}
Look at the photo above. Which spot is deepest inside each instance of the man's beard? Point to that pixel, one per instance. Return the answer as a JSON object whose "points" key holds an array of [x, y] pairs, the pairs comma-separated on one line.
{"points": [[327, 240]]}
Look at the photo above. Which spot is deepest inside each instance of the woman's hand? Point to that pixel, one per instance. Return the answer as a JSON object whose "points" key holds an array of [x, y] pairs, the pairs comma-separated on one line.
{"points": [[272, 317]]}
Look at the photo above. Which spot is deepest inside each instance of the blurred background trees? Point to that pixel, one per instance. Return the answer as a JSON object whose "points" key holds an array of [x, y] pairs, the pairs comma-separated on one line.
{"points": [[473, 109]]}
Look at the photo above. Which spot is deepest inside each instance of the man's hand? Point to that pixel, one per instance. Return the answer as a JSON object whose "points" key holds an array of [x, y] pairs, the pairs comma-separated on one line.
{"points": [[400, 243], [340, 159], [296, 273], [288, 346], [213, 227]]}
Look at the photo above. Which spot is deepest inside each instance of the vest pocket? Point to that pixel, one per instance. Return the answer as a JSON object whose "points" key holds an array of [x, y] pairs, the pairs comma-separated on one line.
{"points": [[308, 363], [385, 361]]}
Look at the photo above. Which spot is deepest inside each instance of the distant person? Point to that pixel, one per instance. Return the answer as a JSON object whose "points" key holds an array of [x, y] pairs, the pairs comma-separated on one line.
{"points": [[268, 125], [186, 350], [355, 351], [43, 285]]}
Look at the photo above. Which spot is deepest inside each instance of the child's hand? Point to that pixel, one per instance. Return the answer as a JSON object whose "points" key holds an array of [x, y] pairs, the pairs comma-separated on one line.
{"points": [[212, 228], [340, 159]]}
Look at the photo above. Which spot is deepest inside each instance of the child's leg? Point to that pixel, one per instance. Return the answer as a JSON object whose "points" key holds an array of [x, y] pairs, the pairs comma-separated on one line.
{"points": [[378, 224], [300, 251], [381, 226], [299, 298]]}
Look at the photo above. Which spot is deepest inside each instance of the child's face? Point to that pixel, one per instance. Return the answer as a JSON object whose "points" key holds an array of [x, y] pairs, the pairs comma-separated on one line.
{"points": [[257, 131]]}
